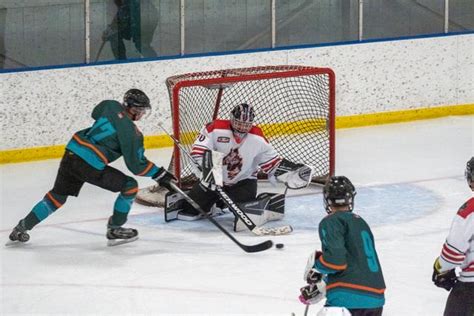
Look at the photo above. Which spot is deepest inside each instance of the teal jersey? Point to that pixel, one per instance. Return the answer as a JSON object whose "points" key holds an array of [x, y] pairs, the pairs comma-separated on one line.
{"points": [[112, 136], [349, 259]]}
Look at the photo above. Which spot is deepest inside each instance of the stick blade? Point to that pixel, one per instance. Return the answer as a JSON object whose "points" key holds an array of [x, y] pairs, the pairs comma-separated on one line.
{"points": [[258, 247]]}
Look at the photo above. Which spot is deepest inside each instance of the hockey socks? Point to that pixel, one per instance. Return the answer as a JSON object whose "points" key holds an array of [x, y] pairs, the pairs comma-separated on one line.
{"points": [[123, 203], [49, 204]]}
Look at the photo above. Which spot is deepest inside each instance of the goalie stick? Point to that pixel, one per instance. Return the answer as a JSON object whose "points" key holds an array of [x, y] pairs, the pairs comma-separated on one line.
{"points": [[247, 248], [234, 208]]}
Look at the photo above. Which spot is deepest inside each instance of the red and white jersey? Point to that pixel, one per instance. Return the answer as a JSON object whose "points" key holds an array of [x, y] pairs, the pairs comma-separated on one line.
{"points": [[242, 159], [458, 250]]}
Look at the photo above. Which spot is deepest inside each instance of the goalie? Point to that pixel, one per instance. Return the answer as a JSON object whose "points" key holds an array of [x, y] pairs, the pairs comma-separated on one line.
{"points": [[245, 152]]}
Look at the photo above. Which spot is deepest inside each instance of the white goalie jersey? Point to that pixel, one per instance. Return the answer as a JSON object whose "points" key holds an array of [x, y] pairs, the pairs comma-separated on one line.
{"points": [[242, 160], [458, 250]]}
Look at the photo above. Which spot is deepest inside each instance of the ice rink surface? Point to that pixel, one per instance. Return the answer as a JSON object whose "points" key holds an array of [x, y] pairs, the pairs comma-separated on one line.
{"points": [[409, 179]]}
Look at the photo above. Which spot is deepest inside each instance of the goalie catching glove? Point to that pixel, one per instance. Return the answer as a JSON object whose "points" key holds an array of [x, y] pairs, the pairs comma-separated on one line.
{"points": [[294, 175]]}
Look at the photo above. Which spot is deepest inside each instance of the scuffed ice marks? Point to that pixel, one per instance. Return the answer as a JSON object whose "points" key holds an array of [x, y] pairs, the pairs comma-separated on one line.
{"points": [[378, 205]]}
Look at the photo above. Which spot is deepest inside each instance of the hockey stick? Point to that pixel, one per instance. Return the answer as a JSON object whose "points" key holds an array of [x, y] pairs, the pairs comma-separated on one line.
{"points": [[247, 248], [234, 208], [99, 51], [306, 310]]}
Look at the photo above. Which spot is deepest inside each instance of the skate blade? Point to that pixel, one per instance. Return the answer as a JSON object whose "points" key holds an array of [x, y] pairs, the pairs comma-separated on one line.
{"points": [[15, 243], [117, 242]]}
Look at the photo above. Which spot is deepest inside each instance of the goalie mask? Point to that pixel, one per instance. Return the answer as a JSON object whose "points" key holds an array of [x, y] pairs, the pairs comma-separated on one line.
{"points": [[137, 103], [241, 119], [338, 191], [469, 173]]}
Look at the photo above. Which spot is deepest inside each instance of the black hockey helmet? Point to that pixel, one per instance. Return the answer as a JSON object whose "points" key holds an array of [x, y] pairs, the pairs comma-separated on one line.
{"points": [[338, 191], [136, 98], [469, 173], [137, 103], [241, 118]]}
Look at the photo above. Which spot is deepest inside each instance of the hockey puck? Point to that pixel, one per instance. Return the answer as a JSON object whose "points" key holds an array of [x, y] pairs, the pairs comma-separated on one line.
{"points": [[279, 246]]}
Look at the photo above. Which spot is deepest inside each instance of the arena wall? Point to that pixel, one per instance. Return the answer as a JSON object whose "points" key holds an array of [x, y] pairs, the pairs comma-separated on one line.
{"points": [[376, 82]]}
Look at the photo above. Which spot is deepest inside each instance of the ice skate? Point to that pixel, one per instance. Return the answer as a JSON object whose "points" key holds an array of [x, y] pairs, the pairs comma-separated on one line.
{"points": [[120, 235], [18, 235]]}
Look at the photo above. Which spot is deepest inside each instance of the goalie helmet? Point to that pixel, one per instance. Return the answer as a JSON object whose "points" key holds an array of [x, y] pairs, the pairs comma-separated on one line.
{"points": [[137, 103], [338, 191], [241, 119], [469, 173]]}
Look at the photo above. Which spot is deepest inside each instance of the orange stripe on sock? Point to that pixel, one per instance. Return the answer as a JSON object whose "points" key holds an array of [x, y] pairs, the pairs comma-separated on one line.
{"points": [[92, 147], [355, 286], [332, 266], [131, 191], [52, 199], [148, 167]]}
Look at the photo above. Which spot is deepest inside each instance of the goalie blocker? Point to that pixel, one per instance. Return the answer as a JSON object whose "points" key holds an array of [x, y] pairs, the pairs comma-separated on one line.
{"points": [[267, 207]]}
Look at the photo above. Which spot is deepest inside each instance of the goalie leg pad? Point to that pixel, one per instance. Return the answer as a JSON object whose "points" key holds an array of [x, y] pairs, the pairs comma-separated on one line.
{"points": [[176, 206], [267, 207], [174, 203]]}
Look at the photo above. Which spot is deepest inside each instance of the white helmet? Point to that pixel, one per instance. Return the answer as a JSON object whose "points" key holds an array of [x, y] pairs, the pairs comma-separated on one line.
{"points": [[241, 119]]}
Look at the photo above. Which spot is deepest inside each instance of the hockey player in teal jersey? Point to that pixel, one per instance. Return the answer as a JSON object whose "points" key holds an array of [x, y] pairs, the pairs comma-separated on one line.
{"points": [[347, 270], [87, 158]]}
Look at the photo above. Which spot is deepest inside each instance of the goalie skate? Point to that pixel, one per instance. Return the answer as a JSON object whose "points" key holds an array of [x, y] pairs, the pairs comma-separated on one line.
{"points": [[120, 235]]}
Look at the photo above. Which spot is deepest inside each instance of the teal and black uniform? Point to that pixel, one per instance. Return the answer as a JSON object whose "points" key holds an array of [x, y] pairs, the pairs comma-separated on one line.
{"points": [[113, 135], [349, 259], [87, 158]]}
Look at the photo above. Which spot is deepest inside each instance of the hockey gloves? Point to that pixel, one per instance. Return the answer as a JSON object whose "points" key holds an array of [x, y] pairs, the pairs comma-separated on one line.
{"points": [[310, 273], [445, 279], [315, 291], [163, 177]]}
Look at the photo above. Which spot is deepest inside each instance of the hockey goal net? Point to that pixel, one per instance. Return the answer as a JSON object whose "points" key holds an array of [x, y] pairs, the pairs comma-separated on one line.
{"points": [[294, 106]]}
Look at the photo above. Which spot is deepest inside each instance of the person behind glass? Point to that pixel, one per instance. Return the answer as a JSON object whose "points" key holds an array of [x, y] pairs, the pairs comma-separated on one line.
{"points": [[128, 24], [347, 271], [87, 158], [458, 252]]}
